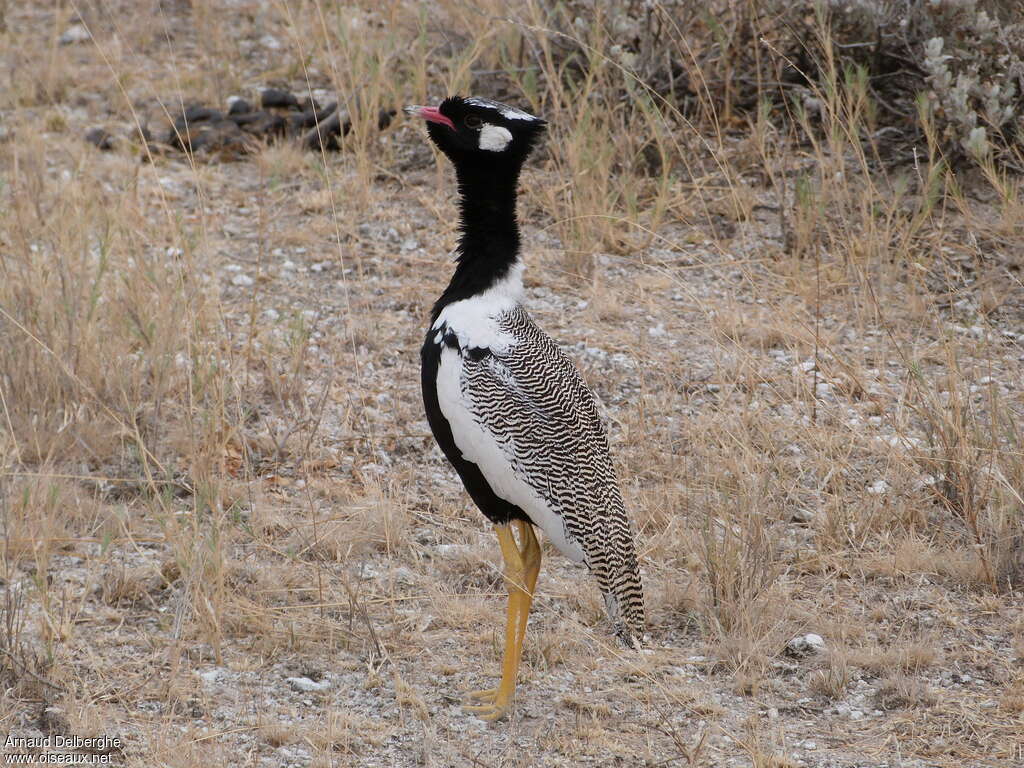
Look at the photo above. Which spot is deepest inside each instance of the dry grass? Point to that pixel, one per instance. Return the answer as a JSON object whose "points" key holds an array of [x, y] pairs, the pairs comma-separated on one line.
{"points": [[810, 360]]}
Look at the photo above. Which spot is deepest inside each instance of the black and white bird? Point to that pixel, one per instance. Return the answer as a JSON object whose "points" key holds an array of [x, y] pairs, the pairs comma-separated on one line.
{"points": [[507, 407]]}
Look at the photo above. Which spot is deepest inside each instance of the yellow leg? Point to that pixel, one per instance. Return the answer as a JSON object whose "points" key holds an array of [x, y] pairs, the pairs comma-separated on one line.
{"points": [[522, 564]]}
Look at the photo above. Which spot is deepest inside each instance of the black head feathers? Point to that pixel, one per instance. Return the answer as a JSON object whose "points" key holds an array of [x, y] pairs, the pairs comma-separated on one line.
{"points": [[481, 131]]}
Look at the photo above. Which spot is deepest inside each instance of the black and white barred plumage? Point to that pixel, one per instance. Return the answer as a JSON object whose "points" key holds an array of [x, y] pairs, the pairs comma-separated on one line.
{"points": [[519, 412], [508, 408]]}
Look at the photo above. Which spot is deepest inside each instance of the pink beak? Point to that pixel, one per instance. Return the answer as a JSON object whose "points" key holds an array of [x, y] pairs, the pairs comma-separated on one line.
{"points": [[430, 114]]}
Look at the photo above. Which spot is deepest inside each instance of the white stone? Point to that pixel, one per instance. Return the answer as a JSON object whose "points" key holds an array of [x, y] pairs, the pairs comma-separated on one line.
{"points": [[76, 33], [305, 684], [878, 488], [210, 675], [805, 644]]}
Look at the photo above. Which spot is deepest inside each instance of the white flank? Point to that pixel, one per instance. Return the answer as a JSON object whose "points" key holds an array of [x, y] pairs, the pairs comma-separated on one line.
{"points": [[509, 113], [494, 138], [474, 320], [492, 457]]}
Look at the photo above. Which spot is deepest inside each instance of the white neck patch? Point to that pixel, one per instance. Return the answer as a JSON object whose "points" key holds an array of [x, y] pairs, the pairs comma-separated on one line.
{"points": [[474, 320], [494, 138]]}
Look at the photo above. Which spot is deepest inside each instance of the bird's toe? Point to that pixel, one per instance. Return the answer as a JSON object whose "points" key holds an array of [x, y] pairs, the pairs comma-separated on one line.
{"points": [[487, 694], [494, 704], [488, 712]]}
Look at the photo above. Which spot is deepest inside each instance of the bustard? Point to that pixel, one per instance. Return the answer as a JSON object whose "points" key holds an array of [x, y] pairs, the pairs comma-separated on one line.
{"points": [[506, 406]]}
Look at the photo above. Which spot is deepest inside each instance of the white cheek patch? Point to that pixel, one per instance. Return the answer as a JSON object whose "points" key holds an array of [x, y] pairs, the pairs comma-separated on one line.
{"points": [[494, 138]]}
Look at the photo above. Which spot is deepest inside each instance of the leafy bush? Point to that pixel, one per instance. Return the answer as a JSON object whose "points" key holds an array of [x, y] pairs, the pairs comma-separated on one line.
{"points": [[974, 69], [957, 59]]}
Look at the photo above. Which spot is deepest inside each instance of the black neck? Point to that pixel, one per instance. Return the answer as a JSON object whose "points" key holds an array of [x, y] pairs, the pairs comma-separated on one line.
{"points": [[489, 244]]}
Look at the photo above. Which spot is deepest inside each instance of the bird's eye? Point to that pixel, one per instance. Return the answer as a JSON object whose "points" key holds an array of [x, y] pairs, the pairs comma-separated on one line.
{"points": [[472, 121]]}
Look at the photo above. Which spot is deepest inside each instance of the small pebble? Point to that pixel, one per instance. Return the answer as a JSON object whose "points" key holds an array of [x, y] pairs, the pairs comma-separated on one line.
{"points": [[271, 42], [802, 515], [100, 138], [76, 33], [878, 488]]}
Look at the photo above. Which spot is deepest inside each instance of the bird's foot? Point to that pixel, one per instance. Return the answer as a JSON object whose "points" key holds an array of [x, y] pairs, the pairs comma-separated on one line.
{"points": [[495, 705]]}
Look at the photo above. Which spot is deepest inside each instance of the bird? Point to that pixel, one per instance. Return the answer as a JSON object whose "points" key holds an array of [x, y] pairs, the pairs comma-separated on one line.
{"points": [[507, 407]]}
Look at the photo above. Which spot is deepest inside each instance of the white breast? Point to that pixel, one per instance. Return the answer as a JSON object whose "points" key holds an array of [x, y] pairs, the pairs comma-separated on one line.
{"points": [[494, 456], [475, 320]]}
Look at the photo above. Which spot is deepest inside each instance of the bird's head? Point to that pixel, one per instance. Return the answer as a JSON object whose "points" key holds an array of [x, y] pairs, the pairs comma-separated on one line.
{"points": [[480, 131]]}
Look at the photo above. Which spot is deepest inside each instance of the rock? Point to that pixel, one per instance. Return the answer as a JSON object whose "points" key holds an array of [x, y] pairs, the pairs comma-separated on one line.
{"points": [[199, 128], [878, 488], [238, 106], [100, 138], [197, 113], [76, 33], [384, 118], [276, 98], [309, 104], [210, 676], [311, 117], [206, 130], [804, 516], [271, 42], [265, 125], [328, 132], [803, 645], [189, 124], [305, 684]]}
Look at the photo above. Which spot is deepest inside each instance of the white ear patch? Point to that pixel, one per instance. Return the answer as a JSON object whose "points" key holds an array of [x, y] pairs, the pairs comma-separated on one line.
{"points": [[494, 138]]}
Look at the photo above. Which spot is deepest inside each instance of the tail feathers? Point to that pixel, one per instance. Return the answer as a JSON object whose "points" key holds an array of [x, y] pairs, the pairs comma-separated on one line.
{"points": [[610, 554], [629, 624], [619, 580]]}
